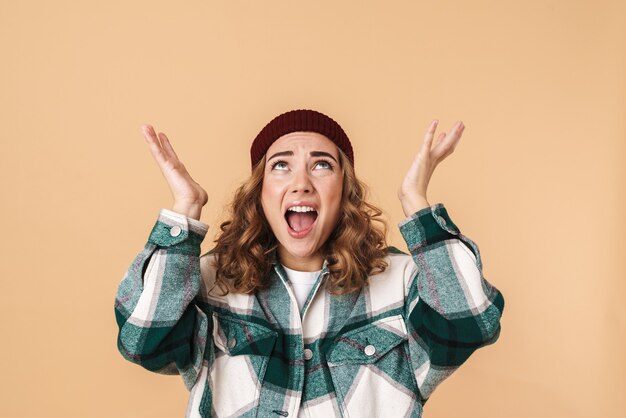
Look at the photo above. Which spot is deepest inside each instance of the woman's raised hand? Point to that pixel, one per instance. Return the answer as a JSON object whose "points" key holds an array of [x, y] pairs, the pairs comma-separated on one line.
{"points": [[412, 192], [189, 196]]}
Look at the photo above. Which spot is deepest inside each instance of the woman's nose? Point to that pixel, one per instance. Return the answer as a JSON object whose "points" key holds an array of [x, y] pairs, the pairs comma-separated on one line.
{"points": [[301, 183]]}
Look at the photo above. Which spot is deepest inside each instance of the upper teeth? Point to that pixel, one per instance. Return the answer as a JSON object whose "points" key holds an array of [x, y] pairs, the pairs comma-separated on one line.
{"points": [[301, 209]]}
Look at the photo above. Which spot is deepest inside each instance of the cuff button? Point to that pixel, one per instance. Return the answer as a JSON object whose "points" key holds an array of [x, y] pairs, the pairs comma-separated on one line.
{"points": [[442, 220], [175, 231], [232, 343], [370, 350]]}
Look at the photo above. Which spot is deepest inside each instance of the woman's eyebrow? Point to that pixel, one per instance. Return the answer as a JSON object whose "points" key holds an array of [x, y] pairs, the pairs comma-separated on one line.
{"points": [[278, 154], [312, 154], [322, 154]]}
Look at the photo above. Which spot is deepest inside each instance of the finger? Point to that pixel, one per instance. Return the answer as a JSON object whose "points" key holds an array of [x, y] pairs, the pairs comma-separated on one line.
{"points": [[423, 153], [424, 149], [167, 146], [430, 132], [151, 135], [146, 130], [439, 138], [155, 146], [446, 145]]}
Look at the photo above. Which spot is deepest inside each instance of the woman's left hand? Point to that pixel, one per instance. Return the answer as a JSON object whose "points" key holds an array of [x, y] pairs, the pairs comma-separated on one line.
{"points": [[412, 193]]}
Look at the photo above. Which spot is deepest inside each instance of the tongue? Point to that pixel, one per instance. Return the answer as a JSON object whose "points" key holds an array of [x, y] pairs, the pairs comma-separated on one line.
{"points": [[299, 221]]}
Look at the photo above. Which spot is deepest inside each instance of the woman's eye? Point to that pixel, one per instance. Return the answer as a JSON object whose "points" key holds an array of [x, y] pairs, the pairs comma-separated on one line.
{"points": [[279, 165], [323, 165]]}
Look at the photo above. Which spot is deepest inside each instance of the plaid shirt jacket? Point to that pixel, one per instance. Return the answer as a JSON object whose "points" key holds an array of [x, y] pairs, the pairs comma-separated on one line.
{"points": [[378, 353]]}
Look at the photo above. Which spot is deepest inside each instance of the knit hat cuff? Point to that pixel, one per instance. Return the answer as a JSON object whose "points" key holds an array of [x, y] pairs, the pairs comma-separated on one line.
{"points": [[301, 120]]}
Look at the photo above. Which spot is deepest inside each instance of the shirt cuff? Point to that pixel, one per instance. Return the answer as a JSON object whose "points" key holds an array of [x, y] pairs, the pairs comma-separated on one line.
{"points": [[175, 229], [195, 225], [428, 226]]}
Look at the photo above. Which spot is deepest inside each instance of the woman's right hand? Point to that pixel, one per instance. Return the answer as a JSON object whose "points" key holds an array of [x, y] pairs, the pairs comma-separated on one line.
{"points": [[189, 196]]}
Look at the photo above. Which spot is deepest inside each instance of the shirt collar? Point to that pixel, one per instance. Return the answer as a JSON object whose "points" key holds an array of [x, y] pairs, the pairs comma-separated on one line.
{"points": [[273, 259]]}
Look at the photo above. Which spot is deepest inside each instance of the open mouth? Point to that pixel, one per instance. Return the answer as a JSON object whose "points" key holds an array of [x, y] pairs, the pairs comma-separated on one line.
{"points": [[300, 219]]}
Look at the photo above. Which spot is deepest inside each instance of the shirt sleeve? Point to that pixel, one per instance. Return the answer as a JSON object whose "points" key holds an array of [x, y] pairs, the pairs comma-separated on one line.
{"points": [[160, 326], [451, 309]]}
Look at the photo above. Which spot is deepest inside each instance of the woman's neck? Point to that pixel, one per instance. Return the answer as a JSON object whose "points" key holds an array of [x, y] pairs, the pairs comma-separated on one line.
{"points": [[310, 263]]}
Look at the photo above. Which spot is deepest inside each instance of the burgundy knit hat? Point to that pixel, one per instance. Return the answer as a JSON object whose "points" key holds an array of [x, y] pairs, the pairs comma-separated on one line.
{"points": [[301, 120]]}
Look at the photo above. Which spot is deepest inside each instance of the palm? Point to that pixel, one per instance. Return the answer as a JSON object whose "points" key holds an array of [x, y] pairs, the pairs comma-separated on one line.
{"points": [[183, 187], [412, 192]]}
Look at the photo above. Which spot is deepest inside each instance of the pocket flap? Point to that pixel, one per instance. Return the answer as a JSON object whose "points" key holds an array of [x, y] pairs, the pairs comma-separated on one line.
{"points": [[236, 336], [368, 343]]}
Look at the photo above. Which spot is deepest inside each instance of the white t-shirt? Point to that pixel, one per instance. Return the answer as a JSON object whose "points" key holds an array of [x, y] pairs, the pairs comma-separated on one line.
{"points": [[302, 283]]}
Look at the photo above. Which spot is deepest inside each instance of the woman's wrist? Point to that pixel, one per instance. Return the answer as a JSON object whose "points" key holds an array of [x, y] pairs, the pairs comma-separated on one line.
{"points": [[192, 211], [414, 204]]}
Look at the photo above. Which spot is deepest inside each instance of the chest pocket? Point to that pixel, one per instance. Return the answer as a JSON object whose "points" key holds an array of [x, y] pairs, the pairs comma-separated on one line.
{"points": [[368, 343], [236, 336], [371, 370]]}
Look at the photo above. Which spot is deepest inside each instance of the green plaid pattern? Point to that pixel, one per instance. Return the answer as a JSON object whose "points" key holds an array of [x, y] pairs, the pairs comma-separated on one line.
{"points": [[378, 353]]}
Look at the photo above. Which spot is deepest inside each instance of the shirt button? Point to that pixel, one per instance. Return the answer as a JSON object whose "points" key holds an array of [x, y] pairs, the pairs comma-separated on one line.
{"points": [[232, 342], [308, 354], [175, 231], [370, 350], [442, 220]]}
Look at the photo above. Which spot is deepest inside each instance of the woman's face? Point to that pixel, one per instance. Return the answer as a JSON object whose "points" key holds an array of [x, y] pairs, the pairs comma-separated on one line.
{"points": [[301, 196]]}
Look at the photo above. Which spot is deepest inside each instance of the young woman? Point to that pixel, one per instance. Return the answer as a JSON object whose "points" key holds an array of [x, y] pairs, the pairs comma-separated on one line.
{"points": [[301, 309]]}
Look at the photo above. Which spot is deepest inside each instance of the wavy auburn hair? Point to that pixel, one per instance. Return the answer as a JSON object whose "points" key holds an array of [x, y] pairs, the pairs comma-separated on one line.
{"points": [[354, 250]]}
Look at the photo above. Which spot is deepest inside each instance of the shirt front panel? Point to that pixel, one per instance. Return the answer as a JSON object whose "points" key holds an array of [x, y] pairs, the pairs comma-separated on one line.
{"points": [[297, 378]]}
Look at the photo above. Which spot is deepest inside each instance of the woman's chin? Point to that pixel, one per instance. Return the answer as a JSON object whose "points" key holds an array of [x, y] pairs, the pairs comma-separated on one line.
{"points": [[300, 253]]}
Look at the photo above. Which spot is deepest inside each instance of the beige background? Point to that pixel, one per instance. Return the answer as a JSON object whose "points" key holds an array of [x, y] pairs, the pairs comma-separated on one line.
{"points": [[537, 180]]}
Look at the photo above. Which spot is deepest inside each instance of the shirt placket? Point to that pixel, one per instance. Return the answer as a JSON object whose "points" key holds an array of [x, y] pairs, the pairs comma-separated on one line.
{"points": [[304, 353]]}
